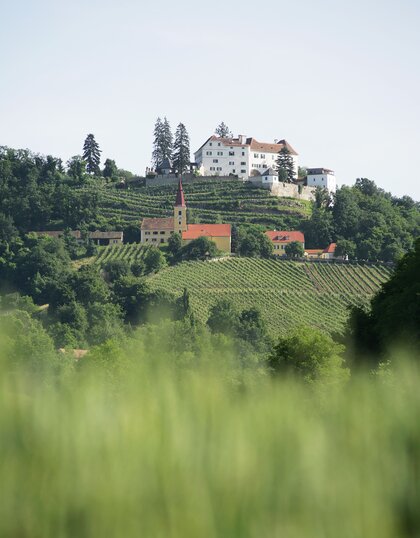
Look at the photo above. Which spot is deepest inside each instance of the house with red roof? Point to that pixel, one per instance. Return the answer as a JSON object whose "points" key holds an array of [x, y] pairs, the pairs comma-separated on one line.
{"points": [[281, 239], [327, 253], [158, 230]]}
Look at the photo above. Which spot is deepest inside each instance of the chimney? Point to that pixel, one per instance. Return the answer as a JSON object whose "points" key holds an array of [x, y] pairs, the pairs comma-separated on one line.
{"points": [[242, 139], [276, 140]]}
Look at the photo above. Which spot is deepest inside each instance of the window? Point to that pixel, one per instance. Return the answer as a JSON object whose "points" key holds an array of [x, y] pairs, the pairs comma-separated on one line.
{"points": [[211, 167], [231, 163], [147, 240], [243, 164], [180, 212], [219, 168], [162, 240], [147, 233], [215, 160], [256, 155], [209, 153], [218, 144], [243, 153], [262, 156], [243, 171], [231, 153], [234, 171], [220, 153], [155, 233], [162, 233], [211, 143]]}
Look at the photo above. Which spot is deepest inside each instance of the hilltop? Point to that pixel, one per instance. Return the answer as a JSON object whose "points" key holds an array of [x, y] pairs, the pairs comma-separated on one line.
{"points": [[208, 201], [287, 293]]}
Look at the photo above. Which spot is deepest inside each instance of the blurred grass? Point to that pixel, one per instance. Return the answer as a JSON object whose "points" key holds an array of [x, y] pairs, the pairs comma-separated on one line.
{"points": [[189, 453]]}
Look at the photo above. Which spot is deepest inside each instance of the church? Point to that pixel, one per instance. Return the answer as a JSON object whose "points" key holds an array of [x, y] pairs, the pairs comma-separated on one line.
{"points": [[158, 230]]}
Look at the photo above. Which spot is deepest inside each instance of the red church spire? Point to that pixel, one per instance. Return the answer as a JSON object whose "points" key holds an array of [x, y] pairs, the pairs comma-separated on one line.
{"points": [[180, 200]]}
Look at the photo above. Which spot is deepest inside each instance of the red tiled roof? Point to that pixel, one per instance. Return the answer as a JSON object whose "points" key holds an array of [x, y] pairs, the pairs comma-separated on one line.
{"points": [[314, 251], [106, 235], [285, 237], [330, 249], [180, 200], [207, 230], [164, 223]]}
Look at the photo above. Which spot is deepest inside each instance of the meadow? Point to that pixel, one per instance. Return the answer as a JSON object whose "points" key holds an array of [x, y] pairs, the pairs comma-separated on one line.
{"points": [[287, 293], [132, 444]]}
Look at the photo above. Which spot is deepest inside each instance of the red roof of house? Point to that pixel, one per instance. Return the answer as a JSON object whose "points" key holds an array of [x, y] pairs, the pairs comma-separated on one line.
{"points": [[207, 230], [285, 237], [180, 200], [314, 251], [330, 249]]}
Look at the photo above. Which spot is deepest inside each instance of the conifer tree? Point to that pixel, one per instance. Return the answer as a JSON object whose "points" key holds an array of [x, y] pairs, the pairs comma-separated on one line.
{"points": [[181, 156], [157, 143], [92, 155], [223, 131], [286, 166], [162, 143]]}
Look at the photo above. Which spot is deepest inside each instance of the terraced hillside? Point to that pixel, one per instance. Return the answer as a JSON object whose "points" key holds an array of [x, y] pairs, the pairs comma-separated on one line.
{"points": [[287, 293], [228, 201]]}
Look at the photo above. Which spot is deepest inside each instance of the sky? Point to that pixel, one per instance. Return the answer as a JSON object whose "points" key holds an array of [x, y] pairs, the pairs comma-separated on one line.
{"points": [[340, 81]]}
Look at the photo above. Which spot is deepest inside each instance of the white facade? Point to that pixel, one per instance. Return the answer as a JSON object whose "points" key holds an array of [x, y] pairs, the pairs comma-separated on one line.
{"points": [[321, 177], [241, 156]]}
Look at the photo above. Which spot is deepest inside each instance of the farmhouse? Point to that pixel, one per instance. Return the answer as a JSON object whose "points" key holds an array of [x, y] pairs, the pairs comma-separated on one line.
{"points": [[158, 230], [241, 156], [281, 239], [327, 253]]}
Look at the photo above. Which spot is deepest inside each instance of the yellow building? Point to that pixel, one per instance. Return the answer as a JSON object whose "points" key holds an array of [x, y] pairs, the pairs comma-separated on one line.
{"points": [[158, 230]]}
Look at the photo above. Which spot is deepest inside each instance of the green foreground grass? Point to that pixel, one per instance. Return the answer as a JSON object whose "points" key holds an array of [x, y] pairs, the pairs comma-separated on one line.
{"points": [[287, 293], [141, 448]]}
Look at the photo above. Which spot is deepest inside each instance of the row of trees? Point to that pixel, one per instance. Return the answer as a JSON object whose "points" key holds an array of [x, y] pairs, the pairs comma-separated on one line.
{"points": [[166, 147]]}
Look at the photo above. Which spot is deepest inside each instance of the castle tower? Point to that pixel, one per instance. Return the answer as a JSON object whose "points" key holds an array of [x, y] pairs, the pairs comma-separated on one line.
{"points": [[180, 211]]}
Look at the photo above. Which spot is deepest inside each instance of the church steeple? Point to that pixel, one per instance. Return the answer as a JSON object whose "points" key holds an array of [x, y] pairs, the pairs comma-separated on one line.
{"points": [[180, 211], [180, 200]]}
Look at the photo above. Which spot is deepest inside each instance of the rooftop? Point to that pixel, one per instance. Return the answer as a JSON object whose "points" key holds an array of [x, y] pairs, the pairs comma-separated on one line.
{"points": [[207, 230], [285, 236], [254, 145], [164, 223]]}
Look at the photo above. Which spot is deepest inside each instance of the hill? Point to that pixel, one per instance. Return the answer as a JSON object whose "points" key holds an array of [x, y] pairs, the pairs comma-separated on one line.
{"points": [[287, 293], [227, 201]]}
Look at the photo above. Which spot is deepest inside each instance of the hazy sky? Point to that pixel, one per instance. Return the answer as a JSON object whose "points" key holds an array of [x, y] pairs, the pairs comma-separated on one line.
{"points": [[339, 80]]}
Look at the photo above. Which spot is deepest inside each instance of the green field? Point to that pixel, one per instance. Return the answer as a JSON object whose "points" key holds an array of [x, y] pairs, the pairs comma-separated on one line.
{"points": [[227, 201], [287, 293]]}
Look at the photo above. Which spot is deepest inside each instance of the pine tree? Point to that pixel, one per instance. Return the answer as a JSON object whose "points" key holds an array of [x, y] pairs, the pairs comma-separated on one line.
{"points": [[162, 143], [181, 156], [167, 140], [286, 166], [92, 155], [157, 157], [223, 131]]}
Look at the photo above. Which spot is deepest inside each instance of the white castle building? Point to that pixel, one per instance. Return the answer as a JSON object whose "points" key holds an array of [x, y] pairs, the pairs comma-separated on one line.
{"points": [[241, 156]]}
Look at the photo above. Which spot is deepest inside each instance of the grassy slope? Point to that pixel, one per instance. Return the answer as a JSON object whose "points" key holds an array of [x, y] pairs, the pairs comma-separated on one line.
{"points": [[233, 202], [287, 293]]}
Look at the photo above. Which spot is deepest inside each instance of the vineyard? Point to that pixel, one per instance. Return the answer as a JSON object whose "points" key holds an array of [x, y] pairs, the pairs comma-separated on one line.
{"points": [[227, 201], [287, 293], [130, 252]]}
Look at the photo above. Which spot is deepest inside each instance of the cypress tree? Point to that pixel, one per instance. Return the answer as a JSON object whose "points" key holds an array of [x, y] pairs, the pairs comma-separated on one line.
{"points": [[92, 155], [167, 140], [181, 156], [286, 166]]}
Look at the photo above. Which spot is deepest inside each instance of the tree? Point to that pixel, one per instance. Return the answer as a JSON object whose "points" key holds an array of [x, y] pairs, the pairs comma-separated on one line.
{"points": [[223, 131], [116, 269], [252, 328], [154, 260], [110, 170], [294, 250], [162, 142], [223, 318], [92, 155], [394, 317], [345, 248], [174, 246], [181, 155], [76, 169], [254, 243], [199, 249], [310, 355], [286, 163]]}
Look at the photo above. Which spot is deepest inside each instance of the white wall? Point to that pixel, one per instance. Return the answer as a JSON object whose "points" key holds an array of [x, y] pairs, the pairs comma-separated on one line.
{"points": [[327, 181], [226, 164]]}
